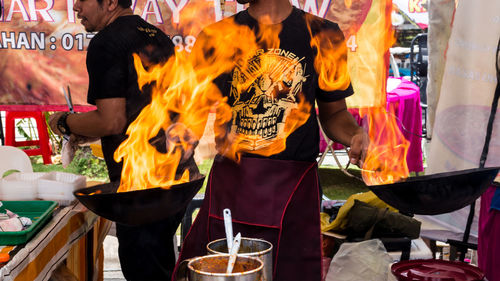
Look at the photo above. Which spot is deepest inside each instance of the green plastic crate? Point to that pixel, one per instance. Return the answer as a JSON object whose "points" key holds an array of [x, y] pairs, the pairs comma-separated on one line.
{"points": [[39, 212]]}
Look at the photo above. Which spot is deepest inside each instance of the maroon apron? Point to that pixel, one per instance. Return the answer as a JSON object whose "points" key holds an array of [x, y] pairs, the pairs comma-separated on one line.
{"points": [[274, 200]]}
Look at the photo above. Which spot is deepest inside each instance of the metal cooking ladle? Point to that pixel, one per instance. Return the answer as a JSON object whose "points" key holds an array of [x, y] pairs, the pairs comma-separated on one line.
{"points": [[228, 224], [233, 252]]}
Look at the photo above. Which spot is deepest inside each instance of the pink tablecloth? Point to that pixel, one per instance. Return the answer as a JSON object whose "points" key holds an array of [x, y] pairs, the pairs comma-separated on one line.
{"points": [[405, 98]]}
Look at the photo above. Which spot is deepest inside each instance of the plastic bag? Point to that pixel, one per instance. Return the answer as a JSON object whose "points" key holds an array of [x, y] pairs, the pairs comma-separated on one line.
{"points": [[361, 261], [71, 145]]}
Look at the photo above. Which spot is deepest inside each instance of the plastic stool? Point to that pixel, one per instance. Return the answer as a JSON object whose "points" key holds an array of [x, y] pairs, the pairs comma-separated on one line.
{"points": [[44, 148]]}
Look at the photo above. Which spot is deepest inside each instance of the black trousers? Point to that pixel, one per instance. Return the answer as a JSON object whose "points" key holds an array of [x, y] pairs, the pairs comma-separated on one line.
{"points": [[146, 252]]}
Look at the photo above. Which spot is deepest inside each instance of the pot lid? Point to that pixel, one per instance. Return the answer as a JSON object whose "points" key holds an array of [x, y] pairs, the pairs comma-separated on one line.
{"points": [[436, 270]]}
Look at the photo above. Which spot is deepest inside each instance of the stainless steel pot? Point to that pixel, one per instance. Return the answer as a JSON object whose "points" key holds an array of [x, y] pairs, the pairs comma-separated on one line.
{"points": [[249, 247], [213, 268]]}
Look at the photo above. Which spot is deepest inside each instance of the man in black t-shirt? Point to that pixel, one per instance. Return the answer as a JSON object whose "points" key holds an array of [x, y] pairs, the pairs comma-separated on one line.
{"points": [[274, 196], [146, 252]]}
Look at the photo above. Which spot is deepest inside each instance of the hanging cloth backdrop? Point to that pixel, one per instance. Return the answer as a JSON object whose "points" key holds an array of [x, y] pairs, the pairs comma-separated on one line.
{"points": [[462, 100], [43, 45], [467, 91]]}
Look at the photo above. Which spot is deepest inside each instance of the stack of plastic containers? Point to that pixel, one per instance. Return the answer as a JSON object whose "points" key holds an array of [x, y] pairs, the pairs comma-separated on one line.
{"points": [[59, 187], [52, 186], [20, 186]]}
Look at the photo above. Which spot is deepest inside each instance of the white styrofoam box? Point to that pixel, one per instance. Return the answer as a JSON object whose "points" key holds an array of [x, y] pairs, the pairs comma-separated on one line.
{"points": [[20, 186], [59, 186]]}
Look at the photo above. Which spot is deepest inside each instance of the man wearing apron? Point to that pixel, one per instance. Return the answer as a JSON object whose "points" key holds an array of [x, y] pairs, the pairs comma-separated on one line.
{"points": [[146, 252], [275, 198]]}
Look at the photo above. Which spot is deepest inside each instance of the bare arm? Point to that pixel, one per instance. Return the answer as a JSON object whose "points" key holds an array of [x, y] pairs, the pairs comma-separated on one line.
{"points": [[108, 119], [339, 125]]}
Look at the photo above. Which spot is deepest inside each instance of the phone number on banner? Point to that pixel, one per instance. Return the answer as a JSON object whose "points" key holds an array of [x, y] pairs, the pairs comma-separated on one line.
{"points": [[42, 41], [68, 41]]}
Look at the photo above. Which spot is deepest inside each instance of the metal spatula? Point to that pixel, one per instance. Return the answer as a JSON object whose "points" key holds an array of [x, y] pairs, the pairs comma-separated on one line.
{"points": [[233, 252]]}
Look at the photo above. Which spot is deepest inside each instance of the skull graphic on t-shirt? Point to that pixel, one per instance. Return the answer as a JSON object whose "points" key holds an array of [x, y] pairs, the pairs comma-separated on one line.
{"points": [[263, 93]]}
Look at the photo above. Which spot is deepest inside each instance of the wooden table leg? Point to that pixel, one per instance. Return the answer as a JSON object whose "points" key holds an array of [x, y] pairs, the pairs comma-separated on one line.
{"points": [[90, 254]]}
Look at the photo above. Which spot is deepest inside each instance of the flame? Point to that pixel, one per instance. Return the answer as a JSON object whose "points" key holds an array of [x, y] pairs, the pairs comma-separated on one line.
{"points": [[385, 161], [183, 93], [195, 16], [144, 166], [331, 60], [386, 158], [367, 63]]}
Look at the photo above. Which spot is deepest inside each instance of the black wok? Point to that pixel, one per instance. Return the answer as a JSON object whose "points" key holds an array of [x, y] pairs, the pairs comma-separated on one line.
{"points": [[138, 207], [437, 193]]}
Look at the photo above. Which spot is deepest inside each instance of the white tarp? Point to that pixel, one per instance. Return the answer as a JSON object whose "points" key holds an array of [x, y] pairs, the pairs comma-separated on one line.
{"points": [[463, 103], [467, 91]]}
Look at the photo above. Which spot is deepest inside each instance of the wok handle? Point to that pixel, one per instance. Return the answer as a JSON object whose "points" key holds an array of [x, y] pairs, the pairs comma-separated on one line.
{"points": [[182, 271]]}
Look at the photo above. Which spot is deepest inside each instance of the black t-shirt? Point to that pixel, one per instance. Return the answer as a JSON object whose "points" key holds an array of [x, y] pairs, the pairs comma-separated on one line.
{"points": [[110, 66], [271, 90]]}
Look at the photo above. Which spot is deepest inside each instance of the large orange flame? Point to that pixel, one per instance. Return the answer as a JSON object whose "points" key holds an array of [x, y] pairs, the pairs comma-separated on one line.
{"points": [[331, 59], [386, 158], [143, 165], [183, 93], [367, 48]]}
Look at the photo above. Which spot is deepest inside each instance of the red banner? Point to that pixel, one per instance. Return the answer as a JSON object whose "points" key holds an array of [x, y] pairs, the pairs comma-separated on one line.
{"points": [[43, 46]]}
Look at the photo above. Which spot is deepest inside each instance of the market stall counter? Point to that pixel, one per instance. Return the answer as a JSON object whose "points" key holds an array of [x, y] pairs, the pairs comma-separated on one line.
{"points": [[73, 235]]}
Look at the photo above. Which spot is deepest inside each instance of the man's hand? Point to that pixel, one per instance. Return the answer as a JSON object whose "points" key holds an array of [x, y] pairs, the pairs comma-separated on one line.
{"points": [[358, 147], [82, 140], [340, 126], [53, 122]]}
